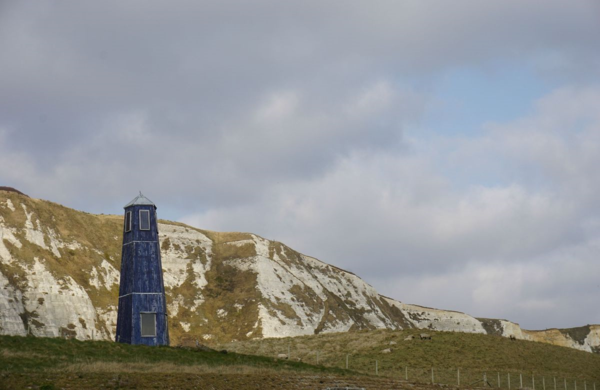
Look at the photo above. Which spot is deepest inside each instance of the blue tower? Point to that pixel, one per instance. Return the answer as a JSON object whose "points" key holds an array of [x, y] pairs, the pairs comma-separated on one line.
{"points": [[142, 315]]}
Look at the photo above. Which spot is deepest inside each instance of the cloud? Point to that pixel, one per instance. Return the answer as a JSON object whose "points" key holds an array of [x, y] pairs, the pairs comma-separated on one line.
{"points": [[397, 220], [195, 65], [307, 122]]}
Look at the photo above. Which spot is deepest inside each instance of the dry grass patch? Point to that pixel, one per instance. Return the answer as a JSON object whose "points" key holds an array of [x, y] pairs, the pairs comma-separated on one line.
{"points": [[114, 367], [7, 354]]}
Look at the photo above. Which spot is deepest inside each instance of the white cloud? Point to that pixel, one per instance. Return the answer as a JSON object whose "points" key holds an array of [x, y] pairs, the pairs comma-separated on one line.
{"points": [[288, 120], [496, 250], [278, 107]]}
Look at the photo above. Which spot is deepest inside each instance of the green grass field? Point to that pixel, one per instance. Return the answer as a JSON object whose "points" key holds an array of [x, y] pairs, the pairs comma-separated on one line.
{"points": [[474, 354], [29, 354], [54, 363]]}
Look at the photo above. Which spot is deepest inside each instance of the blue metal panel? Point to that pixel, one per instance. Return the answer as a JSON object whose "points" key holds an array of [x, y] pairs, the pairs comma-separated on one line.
{"points": [[127, 273], [147, 267], [124, 320], [150, 303], [142, 235], [142, 288]]}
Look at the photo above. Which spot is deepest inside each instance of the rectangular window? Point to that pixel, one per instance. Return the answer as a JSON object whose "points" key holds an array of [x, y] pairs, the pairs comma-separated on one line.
{"points": [[128, 221], [148, 323], [144, 219]]}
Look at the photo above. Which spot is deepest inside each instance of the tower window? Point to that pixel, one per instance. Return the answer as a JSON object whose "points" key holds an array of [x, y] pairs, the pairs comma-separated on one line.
{"points": [[148, 324], [144, 219], [128, 221]]}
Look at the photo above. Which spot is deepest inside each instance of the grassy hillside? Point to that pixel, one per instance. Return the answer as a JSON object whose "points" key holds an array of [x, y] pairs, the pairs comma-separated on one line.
{"points": [[28, 362], [446, 352], [211, 283], [96, 238], [54, 363]]}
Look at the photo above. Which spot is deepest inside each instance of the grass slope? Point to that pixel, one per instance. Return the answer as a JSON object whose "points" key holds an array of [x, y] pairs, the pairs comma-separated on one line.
{"points": [[25, 354], [473, 354], [54, 362]]}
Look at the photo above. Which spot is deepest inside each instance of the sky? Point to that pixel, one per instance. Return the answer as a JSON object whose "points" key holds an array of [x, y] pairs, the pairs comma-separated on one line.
{"points": [[445, 152]]}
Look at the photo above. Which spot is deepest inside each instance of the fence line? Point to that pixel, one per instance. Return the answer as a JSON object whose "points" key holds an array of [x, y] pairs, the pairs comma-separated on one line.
{"points": [[457, 376]]}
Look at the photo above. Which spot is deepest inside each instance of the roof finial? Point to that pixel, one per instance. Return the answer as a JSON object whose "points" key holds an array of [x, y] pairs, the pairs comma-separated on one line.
{"points": [[140, 200]]}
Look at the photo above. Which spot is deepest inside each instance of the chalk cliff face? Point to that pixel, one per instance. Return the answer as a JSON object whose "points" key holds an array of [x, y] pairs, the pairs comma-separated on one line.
{"points": [[59, 275]]}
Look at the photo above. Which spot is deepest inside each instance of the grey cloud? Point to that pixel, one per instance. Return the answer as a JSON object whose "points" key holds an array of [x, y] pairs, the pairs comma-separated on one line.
{"points": [[203, 62], [395, 220], [289, 120]]}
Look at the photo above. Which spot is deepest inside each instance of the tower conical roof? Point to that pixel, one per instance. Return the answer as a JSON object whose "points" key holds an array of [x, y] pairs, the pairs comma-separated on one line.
{"points": [[140, 200]]}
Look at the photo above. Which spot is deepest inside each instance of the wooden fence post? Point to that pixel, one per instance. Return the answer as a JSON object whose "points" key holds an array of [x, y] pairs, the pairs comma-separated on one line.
{"points": [[433, 372]]}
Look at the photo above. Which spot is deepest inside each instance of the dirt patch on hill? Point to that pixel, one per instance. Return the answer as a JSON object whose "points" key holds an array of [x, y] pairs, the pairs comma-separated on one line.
{"points": [[578, 334], [491, 326]]}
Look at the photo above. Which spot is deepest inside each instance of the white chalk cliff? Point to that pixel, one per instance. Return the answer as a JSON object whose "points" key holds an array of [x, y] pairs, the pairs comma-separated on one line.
{"points": [[59, 276]]}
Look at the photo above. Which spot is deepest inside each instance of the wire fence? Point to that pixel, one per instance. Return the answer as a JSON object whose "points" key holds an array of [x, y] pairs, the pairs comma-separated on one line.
{"points": [[502, 379], [480, 378], [496, 379]]}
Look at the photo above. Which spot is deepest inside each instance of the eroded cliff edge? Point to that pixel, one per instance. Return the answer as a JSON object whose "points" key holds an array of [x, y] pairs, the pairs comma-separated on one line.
{"points": [[59, 275]]}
